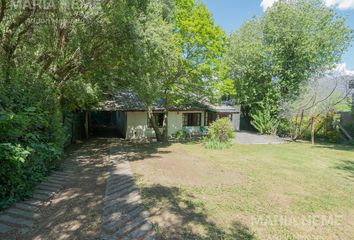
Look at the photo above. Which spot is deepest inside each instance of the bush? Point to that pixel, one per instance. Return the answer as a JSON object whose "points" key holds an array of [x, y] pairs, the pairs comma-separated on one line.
{"points": [[31, 144], [284, 128], [180, 135], [264, 122], [221, 134]]}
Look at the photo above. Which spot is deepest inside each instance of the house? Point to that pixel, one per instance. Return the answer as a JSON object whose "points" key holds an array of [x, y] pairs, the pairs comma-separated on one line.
{"points": [[125, 115]]}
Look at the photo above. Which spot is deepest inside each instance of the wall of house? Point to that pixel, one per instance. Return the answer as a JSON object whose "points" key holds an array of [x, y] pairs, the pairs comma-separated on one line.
{"points": [[236, 118], [137, 124]]}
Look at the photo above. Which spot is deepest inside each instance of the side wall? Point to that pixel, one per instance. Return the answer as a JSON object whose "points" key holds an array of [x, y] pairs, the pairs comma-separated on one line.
{"points": [[137, 124], [236, 118]]}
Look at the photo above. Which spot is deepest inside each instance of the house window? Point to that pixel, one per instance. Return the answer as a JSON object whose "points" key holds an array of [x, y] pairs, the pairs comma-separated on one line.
{"points": [[158, 119], [192, 119]]}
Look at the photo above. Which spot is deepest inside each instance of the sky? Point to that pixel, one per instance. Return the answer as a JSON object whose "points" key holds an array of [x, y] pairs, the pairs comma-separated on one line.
{"points": [[231, 14]]}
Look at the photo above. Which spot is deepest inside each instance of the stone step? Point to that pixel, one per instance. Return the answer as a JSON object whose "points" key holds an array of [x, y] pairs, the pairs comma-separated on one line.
{"points": [[139, 232], [60, 177], [112, 189], [52, 177], [120, 219], [47, 184], [44, 192], [119, 178], [26, 207], [22, 213], [131, 197], [149, 236], [121, 193], [50, 189], [124, 207], [127, 228], [16, 220], [34, 202], [62, 173], [5, 228], [55, 181], [40, 197]]}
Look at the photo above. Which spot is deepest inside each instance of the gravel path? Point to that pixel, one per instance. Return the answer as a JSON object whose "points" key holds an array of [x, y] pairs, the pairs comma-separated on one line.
{"points": [[253, 138]]}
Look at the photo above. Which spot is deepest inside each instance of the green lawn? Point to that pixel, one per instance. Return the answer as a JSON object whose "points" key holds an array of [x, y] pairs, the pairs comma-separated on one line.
{"points": [[293, 191]]}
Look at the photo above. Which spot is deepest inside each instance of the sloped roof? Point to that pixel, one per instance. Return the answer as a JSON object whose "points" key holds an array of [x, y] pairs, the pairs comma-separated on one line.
{"points": [[130, 101]]}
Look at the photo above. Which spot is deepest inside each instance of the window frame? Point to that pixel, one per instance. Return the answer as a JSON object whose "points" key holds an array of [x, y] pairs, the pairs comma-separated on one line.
{"points": [[188, 119]]}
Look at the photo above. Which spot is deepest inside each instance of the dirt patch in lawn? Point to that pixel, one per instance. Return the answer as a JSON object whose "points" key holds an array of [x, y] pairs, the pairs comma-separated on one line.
{"points": [[173, 166], [75, 212]]}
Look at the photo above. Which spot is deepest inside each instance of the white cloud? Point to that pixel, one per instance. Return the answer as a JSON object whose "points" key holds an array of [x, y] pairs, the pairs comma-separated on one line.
{"points": [[342, 69], [267, 4], [341, 4]]}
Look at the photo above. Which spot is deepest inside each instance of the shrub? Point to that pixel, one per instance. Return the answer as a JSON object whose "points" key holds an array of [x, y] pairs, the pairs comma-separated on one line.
{"points": [[220, 134], [31, 144], [180, 135], [264, 122], [284, 128]]}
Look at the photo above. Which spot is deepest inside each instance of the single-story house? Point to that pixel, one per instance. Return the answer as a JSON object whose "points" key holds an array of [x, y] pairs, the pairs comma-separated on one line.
{"points": [[125, 114]]}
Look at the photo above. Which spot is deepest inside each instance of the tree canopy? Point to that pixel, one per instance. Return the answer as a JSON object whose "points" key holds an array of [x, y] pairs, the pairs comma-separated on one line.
{"points": [[270, 57]]}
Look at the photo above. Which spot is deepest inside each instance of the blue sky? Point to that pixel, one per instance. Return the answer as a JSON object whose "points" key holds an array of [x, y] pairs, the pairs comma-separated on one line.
{"points": [[230, 14]]}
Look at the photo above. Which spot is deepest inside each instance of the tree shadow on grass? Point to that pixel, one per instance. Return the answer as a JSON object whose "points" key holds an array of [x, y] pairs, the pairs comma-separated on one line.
{"points": [[137, 151], [347, 166], [338, 147], [190, 213]]}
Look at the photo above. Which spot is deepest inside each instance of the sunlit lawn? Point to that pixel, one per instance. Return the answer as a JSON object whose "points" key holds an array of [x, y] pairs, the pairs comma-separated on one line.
{"points": [[292, 191]]}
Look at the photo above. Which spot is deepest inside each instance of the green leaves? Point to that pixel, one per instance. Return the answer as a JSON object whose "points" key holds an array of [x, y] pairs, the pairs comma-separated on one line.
{"points": [[221, 134], [303, 38], [269, 58]]}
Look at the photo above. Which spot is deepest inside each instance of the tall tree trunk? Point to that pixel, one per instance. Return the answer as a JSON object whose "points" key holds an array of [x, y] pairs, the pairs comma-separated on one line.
{"points": [[298, 126], [313, 127], [159, 135]]}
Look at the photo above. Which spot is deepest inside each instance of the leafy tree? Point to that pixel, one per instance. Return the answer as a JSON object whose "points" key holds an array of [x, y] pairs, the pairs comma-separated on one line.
{"points": [[45, 68], [270, 57], [174, 53], [302, 38]]}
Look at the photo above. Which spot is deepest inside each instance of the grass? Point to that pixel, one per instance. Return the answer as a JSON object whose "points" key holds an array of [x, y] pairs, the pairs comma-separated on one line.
{"points": [[292, 191]]}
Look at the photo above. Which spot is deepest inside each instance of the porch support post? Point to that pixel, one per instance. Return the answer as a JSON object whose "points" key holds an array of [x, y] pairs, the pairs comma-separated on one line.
{"points": [[86, 124]]}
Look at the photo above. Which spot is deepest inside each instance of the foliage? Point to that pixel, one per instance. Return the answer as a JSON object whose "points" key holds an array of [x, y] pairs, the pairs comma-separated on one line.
{"points": [[264, 122], [319, 98], [27, 165], [221, 134], [46, 66], [174, 51], [180, 134], [274, 55]]}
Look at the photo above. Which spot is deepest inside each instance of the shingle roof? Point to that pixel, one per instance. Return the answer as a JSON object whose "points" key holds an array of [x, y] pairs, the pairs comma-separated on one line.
{"points": [[130, 101]]}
